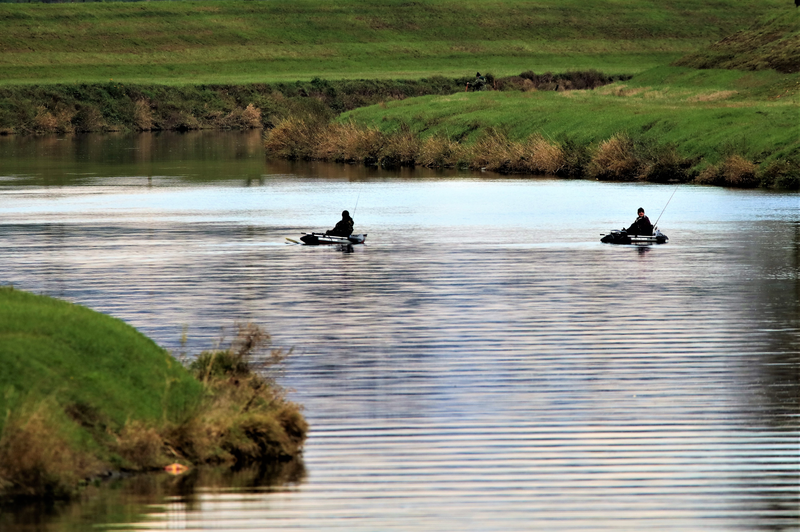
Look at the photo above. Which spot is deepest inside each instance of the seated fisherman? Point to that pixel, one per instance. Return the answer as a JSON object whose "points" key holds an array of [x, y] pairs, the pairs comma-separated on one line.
{"points": [[344, 227], [641, 226]]}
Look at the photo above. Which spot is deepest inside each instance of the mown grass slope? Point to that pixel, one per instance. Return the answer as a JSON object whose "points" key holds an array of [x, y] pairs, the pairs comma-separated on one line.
{"points": [[51, 348], [773, 43], [234, 41]]}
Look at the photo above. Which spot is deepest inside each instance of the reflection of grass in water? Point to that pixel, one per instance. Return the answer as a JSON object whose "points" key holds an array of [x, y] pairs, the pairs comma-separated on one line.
{"points": [[243, 42], [85, 393], [132, 498]]}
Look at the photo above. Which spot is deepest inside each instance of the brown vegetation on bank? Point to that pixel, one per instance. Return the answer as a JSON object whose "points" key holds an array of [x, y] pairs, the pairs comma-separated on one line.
{"points": [[619, 158], [99, 107], [36, 459], [244, 418]]}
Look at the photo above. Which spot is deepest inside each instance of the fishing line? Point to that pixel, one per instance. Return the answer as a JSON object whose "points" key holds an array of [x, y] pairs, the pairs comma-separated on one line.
{"points": [[665, 207], [357, 197]]}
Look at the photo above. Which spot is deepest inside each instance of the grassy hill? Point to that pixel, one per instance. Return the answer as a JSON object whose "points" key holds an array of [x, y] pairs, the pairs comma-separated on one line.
{"points": [[235, 42]]}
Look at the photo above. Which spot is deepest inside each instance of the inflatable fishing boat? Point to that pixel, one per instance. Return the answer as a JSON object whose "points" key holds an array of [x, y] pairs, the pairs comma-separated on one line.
{"points": [[622, 237], [321, 239]]}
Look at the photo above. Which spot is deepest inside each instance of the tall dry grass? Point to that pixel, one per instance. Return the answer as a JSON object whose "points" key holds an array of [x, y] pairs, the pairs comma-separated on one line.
{"points": [[238, 118], [56, 121], [36, 457], [614, 159], [621, 158], [784, 174], [734, 171], [440, 152], [246, 417], [142, 115], [618, 158], [541, 156], [401, 149], [295, 138], [141, 447], [348, 143], [493, 151]]}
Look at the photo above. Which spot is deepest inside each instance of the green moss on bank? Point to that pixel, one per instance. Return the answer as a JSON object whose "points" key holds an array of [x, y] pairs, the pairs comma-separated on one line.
{"points": [[82, 393]]}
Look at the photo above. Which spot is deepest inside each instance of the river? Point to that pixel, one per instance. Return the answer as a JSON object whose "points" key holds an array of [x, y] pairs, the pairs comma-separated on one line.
{"points": [[482, 363]]}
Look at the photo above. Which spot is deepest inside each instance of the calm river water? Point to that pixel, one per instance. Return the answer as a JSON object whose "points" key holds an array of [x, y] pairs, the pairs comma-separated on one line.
{"points": [[483, 363]]}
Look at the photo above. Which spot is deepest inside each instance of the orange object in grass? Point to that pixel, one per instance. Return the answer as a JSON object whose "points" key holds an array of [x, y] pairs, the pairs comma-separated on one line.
{"points": [[176, 469]]}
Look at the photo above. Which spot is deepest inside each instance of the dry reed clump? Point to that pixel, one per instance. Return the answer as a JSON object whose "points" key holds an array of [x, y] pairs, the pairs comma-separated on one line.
{"points": [[238, 118], [614, 159], [739, 172], [782, 174], [440, 152], [44, 121], [47, 122], [661, 163], [493, 151], [293, 138], [36, 458], [540, 156], [350, 143], [734, 171], [181, 121], [89, 118], [140, 446], [710, 175], [142, 115], [401, 149], [246, 417]]}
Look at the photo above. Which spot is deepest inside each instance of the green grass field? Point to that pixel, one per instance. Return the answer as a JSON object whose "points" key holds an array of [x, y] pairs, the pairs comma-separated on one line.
{"points": [[231, 41]]}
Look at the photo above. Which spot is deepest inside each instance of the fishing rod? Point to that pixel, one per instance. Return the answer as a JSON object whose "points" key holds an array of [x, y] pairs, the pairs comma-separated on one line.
{"points": [[357, 198], [665, 208]]}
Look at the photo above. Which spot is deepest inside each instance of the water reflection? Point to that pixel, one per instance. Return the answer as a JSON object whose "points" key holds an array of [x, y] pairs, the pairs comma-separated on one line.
{"points": [[127, 497], [482, 363]]}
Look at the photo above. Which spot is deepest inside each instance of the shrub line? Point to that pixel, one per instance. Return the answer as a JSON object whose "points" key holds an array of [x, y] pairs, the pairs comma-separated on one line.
{"points": [[619, 158]]}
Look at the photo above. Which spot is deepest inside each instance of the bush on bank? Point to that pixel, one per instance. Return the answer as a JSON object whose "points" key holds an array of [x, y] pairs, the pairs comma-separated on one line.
{"points": [[75, 108], [83, 394]]}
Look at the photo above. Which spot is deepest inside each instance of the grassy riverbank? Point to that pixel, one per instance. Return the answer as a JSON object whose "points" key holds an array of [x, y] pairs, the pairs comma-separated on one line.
{"points": [[241, 42], [83, 394], [725, 127], [722, 127]]}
